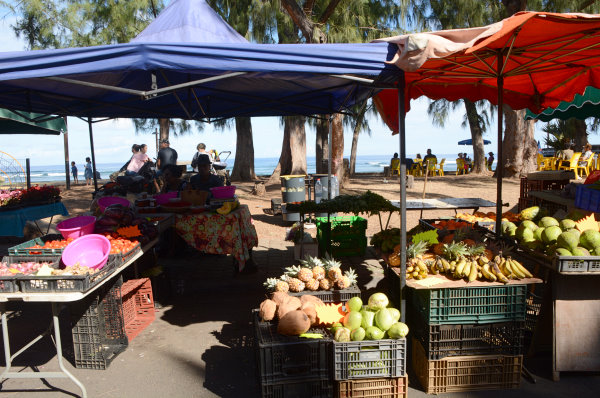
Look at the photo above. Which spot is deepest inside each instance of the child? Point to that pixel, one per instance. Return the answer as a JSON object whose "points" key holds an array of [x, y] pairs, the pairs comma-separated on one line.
{"points": [[87, 171], [74, 172]]}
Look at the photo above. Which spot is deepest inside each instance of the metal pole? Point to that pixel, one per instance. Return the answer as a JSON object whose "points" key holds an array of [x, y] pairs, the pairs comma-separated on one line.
{"points": [[28, 173], [329, 155], [93, 153], [66, 146], [402, 139], [500, 164], [156, 141]]}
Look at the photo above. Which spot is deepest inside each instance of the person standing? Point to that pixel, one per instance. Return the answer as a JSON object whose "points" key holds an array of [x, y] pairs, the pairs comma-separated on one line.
{"points": [[166, 156], [74, 172], [87, 171], [201, 150]]}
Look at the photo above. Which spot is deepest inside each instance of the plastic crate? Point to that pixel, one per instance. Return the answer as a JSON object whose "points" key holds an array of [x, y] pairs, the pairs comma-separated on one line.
{"points": [[466, 373], [369, 359], [343, 247], [286, 357], [534, 307], [576, 264], [346, 235], [298, 388], [373, 388], [342, 226], [10, 283], [138, 306], [447, 306], [98, 328], [587, 198], [127, 256], [441, 341], [331, 296], [23, 249]]}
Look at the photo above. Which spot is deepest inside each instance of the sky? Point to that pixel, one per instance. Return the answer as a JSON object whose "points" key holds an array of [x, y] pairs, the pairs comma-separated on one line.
{"points": [[113, 139]]}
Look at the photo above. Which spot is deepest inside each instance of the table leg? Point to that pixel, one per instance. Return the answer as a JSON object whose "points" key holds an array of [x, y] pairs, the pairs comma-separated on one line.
{"points": [[7, 374], [47, 229]]}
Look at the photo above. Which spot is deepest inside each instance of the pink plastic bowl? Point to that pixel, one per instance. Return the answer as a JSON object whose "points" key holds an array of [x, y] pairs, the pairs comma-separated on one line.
{"points": [[163, 198], [90, 251], [106, 201], [77, 226], [223, 192]]}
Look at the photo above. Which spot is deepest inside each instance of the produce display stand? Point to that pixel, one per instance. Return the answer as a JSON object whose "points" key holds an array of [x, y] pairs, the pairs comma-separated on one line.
{"points": [[56, 300], [446, 204], [12, 222]]}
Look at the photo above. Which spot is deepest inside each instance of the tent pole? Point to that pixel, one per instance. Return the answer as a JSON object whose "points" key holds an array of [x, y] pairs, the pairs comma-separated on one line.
{"points": [[329, 162], [93, 154], [66, 145], [500, 164], [402, 138]]}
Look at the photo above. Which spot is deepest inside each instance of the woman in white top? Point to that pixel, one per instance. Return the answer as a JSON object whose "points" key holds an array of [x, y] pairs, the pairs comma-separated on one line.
{"points": [[137, 160]]}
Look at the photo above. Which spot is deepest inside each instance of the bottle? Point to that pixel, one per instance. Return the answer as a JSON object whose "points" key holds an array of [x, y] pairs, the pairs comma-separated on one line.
{"points": [[318, 191], [325, 190], [335, 187]]}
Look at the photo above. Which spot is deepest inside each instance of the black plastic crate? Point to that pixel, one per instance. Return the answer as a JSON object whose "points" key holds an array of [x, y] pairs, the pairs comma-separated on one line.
{"points": [[298, 388], [98, 328], [23, 249], [65, 283], [10, 283], [124, 257], [441, 341], [331, 296], [282, 357], [369, 359]]}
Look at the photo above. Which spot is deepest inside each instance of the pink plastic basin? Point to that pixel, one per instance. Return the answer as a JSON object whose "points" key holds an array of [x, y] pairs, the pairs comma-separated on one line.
{"points": [[89, 250], [223, 192], [106, 201], [163, 198], [77, 226]]}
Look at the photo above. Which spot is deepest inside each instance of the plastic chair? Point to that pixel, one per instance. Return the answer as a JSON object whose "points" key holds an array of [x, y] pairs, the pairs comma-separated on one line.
{"points": [[460, 167], [417, 168], [587, 167], [440, 167], [431, 166], [395, 166], [541, 164], [571, 164]]}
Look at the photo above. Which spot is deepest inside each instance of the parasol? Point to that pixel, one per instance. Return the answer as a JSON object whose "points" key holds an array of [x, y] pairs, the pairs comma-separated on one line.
{"points": [[470, 142]]}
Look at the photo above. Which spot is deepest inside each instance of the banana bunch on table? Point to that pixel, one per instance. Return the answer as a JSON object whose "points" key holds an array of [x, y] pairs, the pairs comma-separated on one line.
{"points": [[499, 269]]}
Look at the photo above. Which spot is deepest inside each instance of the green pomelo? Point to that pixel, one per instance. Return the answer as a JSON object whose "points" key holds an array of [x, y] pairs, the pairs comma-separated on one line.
{"points": [[354, 304], [373, 333], [358, 334], [368, 318], [384, 319], [563, 252], [342, 334], [589, 239], [548, 222], [568, 240], [550, 234], [530, 213], [581, 252], [395, 313], [507, 225], [524, 234], [567, 224], [537, 234], [529, 224], [352, 320], [398, 330], [378, 301]]}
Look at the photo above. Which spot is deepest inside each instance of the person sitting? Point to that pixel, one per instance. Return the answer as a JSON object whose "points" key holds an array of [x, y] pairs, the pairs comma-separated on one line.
{"points": [[429, 156], [564, 155], [171, 175], [587, 154], [204, 180], [137, 161]]}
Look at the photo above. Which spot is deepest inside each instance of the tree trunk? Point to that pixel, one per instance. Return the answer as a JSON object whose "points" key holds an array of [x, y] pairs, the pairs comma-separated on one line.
{"points": [[476, 137], [581, 136], [519, 145], [357, 127], [243, 167], [337, 147], [293, 149], [321, 145], [164, 128], [512, 7]]}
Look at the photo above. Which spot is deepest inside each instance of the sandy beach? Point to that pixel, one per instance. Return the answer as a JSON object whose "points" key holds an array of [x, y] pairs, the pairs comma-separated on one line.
{"points": [[78, 198]]}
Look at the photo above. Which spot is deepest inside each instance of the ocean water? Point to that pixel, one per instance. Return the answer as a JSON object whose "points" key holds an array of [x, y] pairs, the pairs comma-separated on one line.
{"points": [[262, 166]]}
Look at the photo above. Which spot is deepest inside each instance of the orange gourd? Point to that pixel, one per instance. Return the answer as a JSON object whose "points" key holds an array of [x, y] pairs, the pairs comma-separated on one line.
{"points": [[330, 313], [129, 232]]}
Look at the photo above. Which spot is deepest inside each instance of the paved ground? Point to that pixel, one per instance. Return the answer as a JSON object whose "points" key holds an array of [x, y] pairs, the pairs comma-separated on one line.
{"points": [[200, 344]]}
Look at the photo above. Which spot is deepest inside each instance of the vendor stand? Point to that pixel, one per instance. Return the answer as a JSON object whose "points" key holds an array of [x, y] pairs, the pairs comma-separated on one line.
{"points": [[12, 222]]}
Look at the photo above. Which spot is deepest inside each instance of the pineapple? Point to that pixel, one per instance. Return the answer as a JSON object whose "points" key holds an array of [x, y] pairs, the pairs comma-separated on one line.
{"points": [[316, 265], [325, 284], [476, 250], [277, 285], [347, 280], [312, 284], [416, 250], [296, 285], [332, 266], [318, 272], [454, 251], [300, 272]]}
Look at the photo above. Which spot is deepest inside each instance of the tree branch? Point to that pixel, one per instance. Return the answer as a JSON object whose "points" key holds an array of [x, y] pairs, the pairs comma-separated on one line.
{"points": [[308, 7], [300, 20], [328, 11], [586, 4]]}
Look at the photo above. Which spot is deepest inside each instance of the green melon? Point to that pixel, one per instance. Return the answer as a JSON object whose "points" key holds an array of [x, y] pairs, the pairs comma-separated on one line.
{"points": [[537, 234], [567, 224], [581, 252], [524, 234], [550, 234], [507, 226], [589, 239], [568, 240], [548, 222], [529, 224], [563, 252], [530, 213]]}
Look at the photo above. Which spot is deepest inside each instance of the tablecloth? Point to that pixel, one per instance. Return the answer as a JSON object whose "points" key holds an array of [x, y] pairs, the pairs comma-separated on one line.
{"points": [[214, 233], [12, 222]]}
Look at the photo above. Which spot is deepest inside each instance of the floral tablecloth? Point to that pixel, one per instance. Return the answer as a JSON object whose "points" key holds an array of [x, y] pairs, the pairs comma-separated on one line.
{"points": [[12, 222], [214, 233]]}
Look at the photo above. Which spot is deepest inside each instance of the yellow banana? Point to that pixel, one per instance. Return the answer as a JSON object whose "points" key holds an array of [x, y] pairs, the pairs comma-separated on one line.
{"points": [[499, 273], [410, 268], [460, 266], [485, 270], [446, 265], [522, 268], [515, 269], [474, 272], [421, 266]]}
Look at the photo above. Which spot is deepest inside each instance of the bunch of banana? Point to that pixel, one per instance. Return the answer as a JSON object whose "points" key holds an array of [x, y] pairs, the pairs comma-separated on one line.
{"points": [[417, 269]]}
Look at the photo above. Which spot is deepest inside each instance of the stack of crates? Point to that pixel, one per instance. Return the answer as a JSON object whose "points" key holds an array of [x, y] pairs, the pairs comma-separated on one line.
{"points": [[346, 235], [468, 339]]}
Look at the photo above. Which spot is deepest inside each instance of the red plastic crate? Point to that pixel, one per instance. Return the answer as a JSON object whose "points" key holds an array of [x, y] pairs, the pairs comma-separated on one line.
{"points": [[138, 306]]}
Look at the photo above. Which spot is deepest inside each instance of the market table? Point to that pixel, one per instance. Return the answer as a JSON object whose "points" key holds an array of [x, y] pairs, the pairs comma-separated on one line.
{"points": [[12, 222], [215, 233], [446, 203], [56, 300]]}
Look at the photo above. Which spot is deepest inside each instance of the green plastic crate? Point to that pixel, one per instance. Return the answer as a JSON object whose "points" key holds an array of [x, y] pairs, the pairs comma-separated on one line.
{"points": [[486, 304], [347, 235], [343, 226]]}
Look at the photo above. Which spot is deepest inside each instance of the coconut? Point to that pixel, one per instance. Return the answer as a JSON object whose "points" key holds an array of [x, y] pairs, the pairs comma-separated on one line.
{"points": [[291, 304], [309, 309], [307, 298], [293, 323], [279, 297], [267, 310]]}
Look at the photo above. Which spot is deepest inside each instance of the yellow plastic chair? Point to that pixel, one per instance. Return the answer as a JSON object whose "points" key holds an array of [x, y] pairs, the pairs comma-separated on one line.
{"points": [[587, 167], [571, 164], [543, 163], [460, 167], [417, 168], [431, 166], [395, 166], [440, 167]]}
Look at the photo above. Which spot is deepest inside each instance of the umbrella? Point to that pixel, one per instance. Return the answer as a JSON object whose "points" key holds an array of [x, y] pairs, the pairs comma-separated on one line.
{"points": [[470, 142], [582, 107]]}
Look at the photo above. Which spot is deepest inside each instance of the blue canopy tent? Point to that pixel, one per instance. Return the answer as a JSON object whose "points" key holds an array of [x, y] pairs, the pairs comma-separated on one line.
{"points": [[470, 142]]}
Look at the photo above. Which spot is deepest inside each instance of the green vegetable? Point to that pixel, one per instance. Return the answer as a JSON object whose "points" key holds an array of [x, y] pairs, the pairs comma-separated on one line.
{"points": [[312, 335]]}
